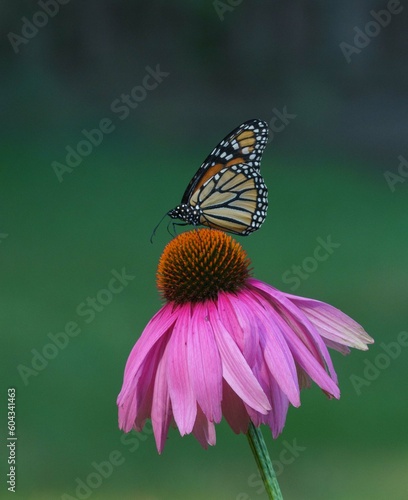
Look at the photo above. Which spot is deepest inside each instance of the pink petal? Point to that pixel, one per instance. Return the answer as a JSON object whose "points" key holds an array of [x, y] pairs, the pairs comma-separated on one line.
{"points": [[305, 381], [337, 347], [333, 324], [204, 430], [298, 321], [276, 418], [161, 409], [234, 410], [308, 362], [238, 324], [280, 405], [182, 397], [235, 369], [155, 329], [275, 350], [135, 404], [204, 364]]}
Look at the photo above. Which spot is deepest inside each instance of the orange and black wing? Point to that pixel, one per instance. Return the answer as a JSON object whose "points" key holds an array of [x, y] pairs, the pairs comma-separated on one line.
{"points": [[244, 145], [233, 200]]}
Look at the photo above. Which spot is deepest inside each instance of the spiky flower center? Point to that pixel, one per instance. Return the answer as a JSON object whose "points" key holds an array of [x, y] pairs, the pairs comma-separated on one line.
{"points": [[197, 265]]}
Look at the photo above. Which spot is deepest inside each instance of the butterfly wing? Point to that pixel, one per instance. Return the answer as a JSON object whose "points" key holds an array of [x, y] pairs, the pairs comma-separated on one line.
{"points": [[234, 200], [244, 145]]}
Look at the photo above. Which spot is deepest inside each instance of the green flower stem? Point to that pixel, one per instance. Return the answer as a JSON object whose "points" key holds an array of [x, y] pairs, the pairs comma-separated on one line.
{"points": [[258, 447]]}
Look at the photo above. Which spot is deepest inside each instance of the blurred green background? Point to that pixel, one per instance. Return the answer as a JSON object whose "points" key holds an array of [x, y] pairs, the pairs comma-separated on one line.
{"points": [[62, 236]]}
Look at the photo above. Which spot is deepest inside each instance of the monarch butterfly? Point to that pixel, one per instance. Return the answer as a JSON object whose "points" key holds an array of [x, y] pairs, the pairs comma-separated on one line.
{"points": [[228, 192]]}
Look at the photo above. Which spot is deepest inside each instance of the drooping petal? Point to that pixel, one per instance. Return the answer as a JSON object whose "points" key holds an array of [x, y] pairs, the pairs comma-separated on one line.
{"points": [[276, 418], [127, 412], [280, 406], [235, 369], [161, 322], [337, 347], [135, 402], [305, 381], [308, 362], [181, 392], [161, 407], [145, 385], [204, 430], [238, 326], [276, 352], [204, 364], [332, 323], [229, 319], [234, 410], [299, 323]]}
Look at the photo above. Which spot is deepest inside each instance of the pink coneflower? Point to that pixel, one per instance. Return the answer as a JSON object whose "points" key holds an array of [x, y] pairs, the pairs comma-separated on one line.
{"points": [[226, 344]]}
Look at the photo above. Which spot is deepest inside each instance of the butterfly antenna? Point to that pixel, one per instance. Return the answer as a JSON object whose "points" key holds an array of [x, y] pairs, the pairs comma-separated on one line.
{"points": [[155, 229]]}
